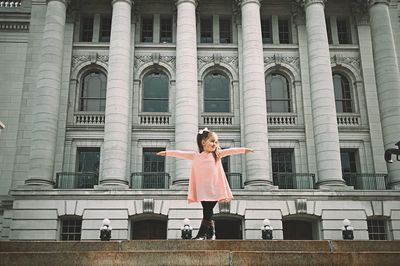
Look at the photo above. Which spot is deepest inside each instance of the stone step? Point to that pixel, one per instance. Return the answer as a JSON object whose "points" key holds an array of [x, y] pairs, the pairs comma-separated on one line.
{"points": [[179, 245], [199, 257]]}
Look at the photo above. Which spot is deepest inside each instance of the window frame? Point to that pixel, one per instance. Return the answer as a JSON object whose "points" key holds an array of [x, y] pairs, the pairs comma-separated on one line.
{"points": [[144, 31], [143, 99], [289, 100], [74, 234], [385, 226], [344, 90], [208, 31], [287, 39], [266, 22], [81, 98], [86, 31], [105, 28], [165, 30], [227, 100], [224, 32]]}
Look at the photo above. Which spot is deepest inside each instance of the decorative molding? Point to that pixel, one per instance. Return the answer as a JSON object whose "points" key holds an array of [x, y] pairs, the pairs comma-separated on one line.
{"points": [[217, 59], [307, 3], [301, 206], [298, 13], [195, 2], [92, 57], [244, 2], [278, 59], [352, 61], [14, 26], [148, 206], [373, 2], [359, 8], [156, 59]]}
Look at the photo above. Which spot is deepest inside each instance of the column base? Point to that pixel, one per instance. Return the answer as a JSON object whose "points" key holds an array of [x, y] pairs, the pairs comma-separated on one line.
{"points": [[394, 185], [39, 183], [112, 184], [259, 185], [333, 185], [181, 184]]}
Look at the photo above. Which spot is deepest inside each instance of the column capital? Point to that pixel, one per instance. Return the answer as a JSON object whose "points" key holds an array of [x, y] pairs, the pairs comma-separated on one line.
{"points": [[194, 2], [130, 2], [297, 9], [359, 8], [244, 2], [65, 2], [308, 3], [374, 2]]}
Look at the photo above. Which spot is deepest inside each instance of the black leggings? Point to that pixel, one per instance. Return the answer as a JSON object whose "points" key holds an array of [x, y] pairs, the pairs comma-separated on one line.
{"points": [[208, 207]]}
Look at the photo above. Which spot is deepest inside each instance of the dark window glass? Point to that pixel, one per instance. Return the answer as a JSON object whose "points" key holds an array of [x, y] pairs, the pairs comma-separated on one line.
{"points": [[348, 160], [105, 29], [225, 30], [166, 30], [86, 29], [225, 163], [284, 31], [216, 93], [155, 93], [147, 29], [88, 159], [343, 97], [93, 92], [376, 229], [278, 94], [206, 30], [153, 169], [282, 160], [71, 228], [343, 28], [328, 29], [266, 30]]}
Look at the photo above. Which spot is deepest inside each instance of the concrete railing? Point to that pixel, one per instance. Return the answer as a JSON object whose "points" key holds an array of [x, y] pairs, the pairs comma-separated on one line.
{"points": [[346, 120], [286, 119], [154, 119], [89, 119], [217, 120]]}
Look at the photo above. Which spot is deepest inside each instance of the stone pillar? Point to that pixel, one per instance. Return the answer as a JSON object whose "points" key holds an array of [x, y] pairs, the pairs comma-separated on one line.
{"points": [[116, 128], [186, 107], [47, 98], [326, 136], [255, 108], [387, 80]]}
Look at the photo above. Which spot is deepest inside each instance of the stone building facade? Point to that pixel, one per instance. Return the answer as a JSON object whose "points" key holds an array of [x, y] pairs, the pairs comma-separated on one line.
{"points": [[91, 90]]}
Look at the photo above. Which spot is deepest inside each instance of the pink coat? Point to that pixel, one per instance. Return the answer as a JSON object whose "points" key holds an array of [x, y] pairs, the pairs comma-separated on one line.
{"points": [[207, 178]]}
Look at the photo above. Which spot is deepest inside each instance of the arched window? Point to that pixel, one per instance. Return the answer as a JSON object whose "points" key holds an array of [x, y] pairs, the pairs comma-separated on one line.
{"points": [[343, 99], [216, 93], [278, 94], [93, 92], [155, 92]]}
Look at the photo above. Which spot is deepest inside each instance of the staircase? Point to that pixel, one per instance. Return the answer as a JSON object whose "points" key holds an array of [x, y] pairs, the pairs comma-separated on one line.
{"points": [[195, 252]]}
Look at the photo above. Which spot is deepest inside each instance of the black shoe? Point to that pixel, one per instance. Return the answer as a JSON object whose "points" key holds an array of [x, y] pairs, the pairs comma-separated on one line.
{"points": [[211, 231], [205, 225]]}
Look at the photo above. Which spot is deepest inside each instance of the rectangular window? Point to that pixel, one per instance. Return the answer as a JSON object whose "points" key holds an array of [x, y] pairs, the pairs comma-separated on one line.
{"points": [[105, 29], [153, 169], [284, 31], [206, 30], [349, 166], [225, 30], [71, 228], [282, 168], [88, 162], [147, 29], [376, 229], [343, 29], [86, 32], [329, 29], [266, 30], [166, 30]]}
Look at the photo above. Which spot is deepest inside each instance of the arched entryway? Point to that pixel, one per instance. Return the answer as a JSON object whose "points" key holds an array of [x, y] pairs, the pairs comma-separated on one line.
{"points": [[228, 226], [301, 228], [149, 227]]}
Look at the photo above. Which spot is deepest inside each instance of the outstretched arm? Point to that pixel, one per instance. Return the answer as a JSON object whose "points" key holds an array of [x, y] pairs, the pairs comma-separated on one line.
{"points": [[232, 151], [188, 155]]}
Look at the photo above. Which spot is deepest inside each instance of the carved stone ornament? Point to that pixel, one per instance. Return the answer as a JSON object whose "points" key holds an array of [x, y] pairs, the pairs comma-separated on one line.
{"points": [[92, 57], [298, 13], [301, 206], [156, 59], [310, 2], [352, 61], [359, 8], [278, 59], [217, 59], [373, 2]]}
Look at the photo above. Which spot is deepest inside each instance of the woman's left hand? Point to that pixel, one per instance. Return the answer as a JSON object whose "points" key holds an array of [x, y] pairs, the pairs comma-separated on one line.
{"points": [[248, 150]]}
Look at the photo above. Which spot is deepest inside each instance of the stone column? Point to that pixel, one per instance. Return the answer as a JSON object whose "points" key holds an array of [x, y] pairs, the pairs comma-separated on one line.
{"points": [[186, 107], [255, 108], [47, 98], [326, 136], [387, 80], [116, 128]]}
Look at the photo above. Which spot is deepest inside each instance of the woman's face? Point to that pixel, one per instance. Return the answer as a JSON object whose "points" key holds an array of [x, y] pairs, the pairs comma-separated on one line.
{"points": [[211, 143]]}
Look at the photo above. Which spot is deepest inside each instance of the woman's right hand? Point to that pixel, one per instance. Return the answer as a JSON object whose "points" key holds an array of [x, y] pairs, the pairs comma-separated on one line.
{"points": [[162, 153]]}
